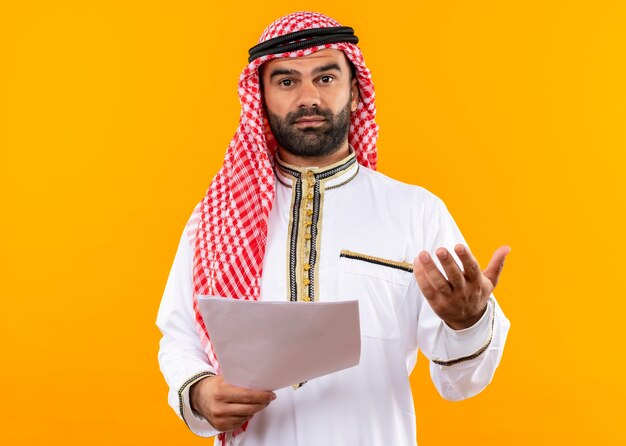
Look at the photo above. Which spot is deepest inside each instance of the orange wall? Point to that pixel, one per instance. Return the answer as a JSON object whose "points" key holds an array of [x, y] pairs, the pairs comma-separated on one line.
{"points": [[114, 116]]}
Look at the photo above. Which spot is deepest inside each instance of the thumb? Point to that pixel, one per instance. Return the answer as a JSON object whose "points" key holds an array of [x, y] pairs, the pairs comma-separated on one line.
{"points": [[494, 269]]}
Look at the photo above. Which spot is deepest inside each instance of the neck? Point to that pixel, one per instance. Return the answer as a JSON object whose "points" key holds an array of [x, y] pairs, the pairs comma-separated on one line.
{"points": [[314, 161]]}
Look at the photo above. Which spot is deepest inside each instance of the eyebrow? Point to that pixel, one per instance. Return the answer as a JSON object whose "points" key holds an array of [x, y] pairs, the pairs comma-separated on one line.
{"points": [[328, 67], [282, 71], [317, 70]]}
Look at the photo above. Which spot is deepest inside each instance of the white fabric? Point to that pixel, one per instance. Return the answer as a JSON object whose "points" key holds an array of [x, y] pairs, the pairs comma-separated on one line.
{"points": [[370, 404]]}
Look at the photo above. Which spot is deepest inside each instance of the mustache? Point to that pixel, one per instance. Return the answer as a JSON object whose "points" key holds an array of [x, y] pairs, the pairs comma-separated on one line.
{"points": [[292, 117]]}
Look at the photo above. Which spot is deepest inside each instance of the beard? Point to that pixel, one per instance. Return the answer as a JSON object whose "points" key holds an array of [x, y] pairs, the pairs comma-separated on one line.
{"points": [[311, 142]]}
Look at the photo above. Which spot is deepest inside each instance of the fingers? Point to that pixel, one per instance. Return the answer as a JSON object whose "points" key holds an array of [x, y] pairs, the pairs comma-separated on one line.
{"points": [[243, 411], [494, 269], [226, 406], [225, 423], [230, 415], [428, 276], [453, 272], [459, 297], [230, 423], [240, 395], [471, 269]]}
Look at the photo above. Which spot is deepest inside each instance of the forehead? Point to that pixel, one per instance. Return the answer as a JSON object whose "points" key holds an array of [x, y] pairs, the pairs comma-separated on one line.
{"points": [[305, 63]]}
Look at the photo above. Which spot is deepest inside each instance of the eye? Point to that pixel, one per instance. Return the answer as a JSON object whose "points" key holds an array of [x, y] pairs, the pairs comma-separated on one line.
{"points": [[326, 79], [285, 82]]}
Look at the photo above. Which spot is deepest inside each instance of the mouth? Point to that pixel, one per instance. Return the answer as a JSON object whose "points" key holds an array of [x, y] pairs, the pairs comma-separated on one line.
{"points": [[309, 121]]}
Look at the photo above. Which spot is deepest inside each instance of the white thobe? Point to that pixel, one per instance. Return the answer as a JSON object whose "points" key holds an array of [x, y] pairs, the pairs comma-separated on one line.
{"points": [[340, 233]]}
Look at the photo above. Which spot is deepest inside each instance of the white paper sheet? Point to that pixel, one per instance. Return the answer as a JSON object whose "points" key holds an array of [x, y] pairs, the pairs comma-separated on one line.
{"points": [[271, 345]]}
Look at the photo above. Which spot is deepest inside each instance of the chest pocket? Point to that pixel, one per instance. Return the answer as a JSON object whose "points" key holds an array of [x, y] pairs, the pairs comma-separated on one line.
{"points": [[380, 286]]}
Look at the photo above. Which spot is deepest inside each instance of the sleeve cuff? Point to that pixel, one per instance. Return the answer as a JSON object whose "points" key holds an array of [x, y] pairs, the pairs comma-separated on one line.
{"points": [[195, 422], [456, 346]]}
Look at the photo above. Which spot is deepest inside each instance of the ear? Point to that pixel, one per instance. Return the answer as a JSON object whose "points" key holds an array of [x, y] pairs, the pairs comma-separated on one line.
{"points": [[354, 94]]}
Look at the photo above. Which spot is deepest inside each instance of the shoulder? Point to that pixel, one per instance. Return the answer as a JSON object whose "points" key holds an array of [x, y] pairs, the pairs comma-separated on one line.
{"points": [[394, 190]]}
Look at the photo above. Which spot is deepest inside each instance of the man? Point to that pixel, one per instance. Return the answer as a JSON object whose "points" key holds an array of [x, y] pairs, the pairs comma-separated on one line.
{"points": [[298, 213]]}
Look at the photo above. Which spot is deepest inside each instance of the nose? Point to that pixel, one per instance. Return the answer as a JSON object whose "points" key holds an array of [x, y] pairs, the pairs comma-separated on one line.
{"points": [[309, 96]]}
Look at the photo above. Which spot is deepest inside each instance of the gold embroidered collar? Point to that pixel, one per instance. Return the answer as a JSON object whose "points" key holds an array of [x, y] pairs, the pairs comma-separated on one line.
{"points": [[333, 176]]}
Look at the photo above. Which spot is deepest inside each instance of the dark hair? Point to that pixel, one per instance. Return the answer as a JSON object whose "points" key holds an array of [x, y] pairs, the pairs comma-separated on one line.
{"points": [[352, 69]]}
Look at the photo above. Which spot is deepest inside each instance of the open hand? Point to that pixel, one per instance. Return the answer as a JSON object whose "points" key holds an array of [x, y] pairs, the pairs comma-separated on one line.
{"points": [[461, 299]]}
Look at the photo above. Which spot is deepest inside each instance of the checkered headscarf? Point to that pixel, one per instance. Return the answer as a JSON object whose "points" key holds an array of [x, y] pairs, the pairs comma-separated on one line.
{"points": [[228, 230]]}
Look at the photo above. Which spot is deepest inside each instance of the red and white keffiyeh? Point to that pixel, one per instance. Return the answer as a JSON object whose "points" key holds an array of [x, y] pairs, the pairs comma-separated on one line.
{"points": [[228, 229]]}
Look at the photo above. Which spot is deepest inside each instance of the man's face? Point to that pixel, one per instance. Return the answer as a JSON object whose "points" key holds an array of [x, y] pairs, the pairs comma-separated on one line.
{"points": [[308, 102]]}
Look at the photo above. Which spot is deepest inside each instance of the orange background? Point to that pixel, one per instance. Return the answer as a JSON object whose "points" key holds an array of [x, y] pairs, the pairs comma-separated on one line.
{"points": [[115, 115]]}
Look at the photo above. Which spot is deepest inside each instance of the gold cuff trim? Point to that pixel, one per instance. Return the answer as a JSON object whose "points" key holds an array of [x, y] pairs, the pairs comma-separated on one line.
{"points": [[195, 378], [478, 352], [404, 266]]}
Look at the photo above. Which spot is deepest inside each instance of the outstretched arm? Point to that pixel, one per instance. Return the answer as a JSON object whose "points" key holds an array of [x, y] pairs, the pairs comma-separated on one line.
{"points": [[461, 328]]}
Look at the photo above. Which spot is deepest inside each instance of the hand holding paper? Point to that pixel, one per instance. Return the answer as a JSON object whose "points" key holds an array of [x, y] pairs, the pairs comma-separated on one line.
{"points": [[225, 406]]}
